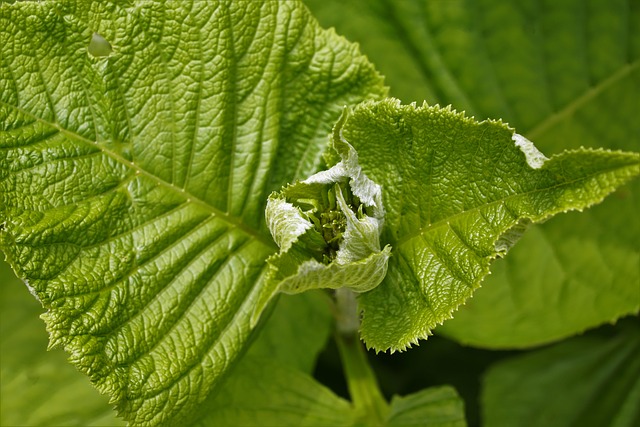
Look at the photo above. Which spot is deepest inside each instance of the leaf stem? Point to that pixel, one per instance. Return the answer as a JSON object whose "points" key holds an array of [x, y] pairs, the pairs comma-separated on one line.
{"points": [[366, 396]]}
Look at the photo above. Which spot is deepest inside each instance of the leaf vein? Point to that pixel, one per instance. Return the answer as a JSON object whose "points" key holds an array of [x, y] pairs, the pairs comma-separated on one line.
{"points": [[539, 129], [225, 216], [187, 264], [192, 143], [198, 360]]}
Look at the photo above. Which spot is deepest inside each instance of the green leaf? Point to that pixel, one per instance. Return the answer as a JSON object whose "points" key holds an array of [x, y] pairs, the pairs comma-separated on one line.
{"points": [[39, 388], [133, 183], [432, 407], [260, 392], [457, 194], [594, 381], [565, 74]]}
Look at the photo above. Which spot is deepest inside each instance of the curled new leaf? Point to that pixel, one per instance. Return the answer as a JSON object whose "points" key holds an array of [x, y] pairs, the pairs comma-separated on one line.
{"points": [[328, 229]]}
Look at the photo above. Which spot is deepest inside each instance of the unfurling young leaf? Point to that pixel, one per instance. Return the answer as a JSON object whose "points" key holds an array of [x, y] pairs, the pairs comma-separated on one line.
{"points": [[328, 229]]}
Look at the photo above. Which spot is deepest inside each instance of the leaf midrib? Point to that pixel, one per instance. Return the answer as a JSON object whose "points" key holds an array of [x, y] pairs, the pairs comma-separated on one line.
{"points": [[232, 221], [456, 91], [445, 221], [540, 128]]}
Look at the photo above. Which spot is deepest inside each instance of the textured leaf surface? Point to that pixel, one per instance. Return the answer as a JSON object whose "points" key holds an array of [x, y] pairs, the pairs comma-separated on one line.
{"points": [[458, 193], [590, 381], [564, 74], [39, 388], [133, 181]]}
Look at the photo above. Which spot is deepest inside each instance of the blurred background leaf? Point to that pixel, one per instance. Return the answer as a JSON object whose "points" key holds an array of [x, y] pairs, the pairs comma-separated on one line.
{"points": [[586, 381]]}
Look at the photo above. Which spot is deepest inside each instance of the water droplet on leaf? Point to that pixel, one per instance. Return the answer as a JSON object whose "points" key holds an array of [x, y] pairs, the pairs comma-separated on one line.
{"points": [[99, 46]]}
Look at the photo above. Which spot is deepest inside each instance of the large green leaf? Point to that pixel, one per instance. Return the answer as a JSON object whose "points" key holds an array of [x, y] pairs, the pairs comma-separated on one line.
{"points": [[457, 194], [590, 381], [270, 386], [565, 74], [41, 388], [139, 142]]}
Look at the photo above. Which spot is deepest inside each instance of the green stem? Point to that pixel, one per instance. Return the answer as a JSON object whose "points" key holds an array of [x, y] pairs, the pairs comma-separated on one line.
{"points": [[361, 381]]}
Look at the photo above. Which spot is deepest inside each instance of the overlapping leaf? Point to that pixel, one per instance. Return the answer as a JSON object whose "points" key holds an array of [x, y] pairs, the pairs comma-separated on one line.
{"points": [[564, 74], [40, 388], [134, 175], [458, 194]]}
